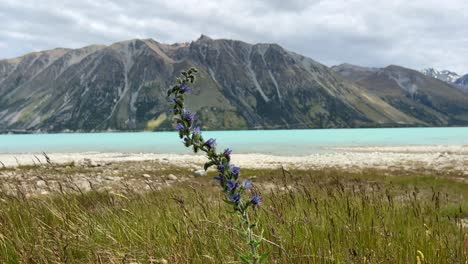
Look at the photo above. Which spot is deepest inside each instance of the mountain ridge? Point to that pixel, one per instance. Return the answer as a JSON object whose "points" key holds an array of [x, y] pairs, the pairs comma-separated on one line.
{"points": [[241, 86], [431, 100]]}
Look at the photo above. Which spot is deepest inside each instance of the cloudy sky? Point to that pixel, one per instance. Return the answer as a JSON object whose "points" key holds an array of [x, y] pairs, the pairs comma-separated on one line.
{"points": [[415, 34]]}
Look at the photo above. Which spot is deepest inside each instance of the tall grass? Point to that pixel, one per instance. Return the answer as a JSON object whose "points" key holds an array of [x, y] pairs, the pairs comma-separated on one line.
{"points": [[309, 217]]}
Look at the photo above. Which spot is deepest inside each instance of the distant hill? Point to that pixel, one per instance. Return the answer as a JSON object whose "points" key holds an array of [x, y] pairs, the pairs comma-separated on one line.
{"points": [[430, 100], [123, 87]]}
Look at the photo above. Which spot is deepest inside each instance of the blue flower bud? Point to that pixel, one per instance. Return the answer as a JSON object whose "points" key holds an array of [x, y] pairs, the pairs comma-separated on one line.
{"points": [[247, 184], [256, 199], [234, 169], [220, 168], [235, 197], [227, 152], [210, 143], [187, 116], [232, 185], [196, 131], [219, 178], [185, 88], [180, 126]]}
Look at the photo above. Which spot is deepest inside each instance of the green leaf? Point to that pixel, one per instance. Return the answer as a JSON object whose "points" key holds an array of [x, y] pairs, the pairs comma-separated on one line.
{"points": [[244, 258], [256, 243], [208, 164]]}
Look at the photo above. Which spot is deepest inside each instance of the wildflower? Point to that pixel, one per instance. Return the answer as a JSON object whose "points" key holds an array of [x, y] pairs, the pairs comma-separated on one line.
{"points": [[247, 184], [234, 169], [227, 173], [256, 199], [227, 152], [185, 88], [232, 185], [196, 131], [187, 116], [220, 178], [235, 197], [220, 168], [180, 126], [210, 143]]}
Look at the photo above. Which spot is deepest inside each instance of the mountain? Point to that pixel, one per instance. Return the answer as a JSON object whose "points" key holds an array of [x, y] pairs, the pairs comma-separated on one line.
{"points": [[432, 101], [123, 87], [462, 83], [444, 75]]}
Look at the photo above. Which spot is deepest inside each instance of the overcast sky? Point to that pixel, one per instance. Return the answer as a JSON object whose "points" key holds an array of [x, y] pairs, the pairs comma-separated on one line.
{"points": [[411, 33]]}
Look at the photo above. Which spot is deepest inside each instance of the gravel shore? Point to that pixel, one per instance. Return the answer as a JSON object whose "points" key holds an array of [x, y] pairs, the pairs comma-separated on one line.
{"points": [[39, 174], [439, 158]]}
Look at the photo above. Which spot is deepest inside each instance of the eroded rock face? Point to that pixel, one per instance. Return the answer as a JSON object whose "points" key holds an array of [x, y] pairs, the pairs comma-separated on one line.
{"points": [[123, 87]]}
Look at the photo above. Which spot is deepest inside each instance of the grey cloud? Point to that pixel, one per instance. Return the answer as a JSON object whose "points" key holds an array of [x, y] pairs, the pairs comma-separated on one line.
{"points": [[416, 34]]}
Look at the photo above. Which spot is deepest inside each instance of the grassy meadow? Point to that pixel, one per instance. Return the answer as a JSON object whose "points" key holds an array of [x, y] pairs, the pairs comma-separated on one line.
{"points": [[322, 216]]}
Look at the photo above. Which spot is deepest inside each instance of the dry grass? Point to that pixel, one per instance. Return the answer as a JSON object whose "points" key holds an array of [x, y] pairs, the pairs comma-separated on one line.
{"points": [[326, 216]]}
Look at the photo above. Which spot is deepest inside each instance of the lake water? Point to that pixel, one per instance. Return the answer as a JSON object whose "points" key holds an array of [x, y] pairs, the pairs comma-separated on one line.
{"points": [[284, 142]]}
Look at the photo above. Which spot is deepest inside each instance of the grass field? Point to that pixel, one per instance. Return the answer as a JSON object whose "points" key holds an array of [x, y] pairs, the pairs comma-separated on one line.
{"points": [[325, 216]]}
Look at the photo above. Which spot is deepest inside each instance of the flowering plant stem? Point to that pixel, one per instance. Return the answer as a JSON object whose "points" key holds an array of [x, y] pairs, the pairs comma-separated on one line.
{"points": [[236, 191]]}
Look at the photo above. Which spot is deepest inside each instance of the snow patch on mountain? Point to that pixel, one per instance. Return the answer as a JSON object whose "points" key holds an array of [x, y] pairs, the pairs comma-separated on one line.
{"points": [[443, 75]]}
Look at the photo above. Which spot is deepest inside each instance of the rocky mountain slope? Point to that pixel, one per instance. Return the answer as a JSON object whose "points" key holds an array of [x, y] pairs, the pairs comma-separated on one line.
{"points": [[430, 100], [462, 83], [122, 87]]}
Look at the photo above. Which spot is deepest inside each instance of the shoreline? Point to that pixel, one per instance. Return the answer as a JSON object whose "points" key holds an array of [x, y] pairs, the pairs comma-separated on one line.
{"points": [[431, 157], [30, 174]]}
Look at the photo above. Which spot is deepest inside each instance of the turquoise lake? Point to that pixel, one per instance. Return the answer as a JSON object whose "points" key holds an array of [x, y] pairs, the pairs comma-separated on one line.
{"points": [[284, 142]]}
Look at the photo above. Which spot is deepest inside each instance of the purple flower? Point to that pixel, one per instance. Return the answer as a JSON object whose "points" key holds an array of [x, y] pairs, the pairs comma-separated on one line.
{"points": [[227, 152], [174, 100], [247, 184], [210, 143], [234, 169], [220, 168], [232, 185], [180, 126], [186, 115], [185, 88], [256, 199], [235, 197], [219, 178], [197, 131]]}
